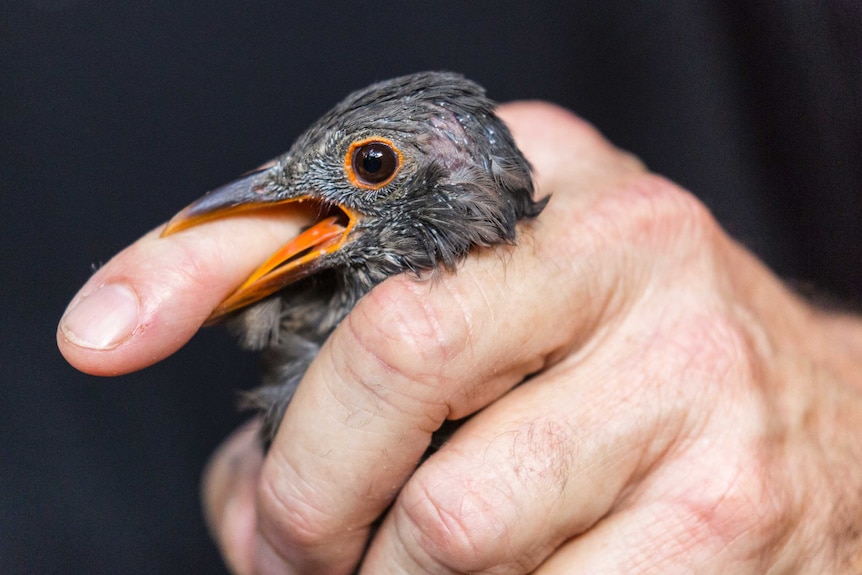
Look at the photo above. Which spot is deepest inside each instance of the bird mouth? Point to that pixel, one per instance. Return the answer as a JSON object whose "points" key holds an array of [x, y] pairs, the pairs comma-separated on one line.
{"points": [[327, 230]]}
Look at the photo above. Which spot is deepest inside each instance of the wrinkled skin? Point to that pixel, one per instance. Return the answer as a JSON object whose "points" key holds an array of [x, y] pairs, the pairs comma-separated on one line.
{"points": [[687, 412]]}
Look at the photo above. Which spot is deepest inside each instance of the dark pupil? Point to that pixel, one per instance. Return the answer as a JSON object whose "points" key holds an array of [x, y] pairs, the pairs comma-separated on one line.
{"points": [[374, 162]]}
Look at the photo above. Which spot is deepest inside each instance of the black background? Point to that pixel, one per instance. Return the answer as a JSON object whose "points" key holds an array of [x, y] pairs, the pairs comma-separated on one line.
{"points": [[114, 115]]}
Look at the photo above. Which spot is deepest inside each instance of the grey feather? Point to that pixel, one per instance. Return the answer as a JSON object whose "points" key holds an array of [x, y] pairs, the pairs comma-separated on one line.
{"points": [[463, 184]]}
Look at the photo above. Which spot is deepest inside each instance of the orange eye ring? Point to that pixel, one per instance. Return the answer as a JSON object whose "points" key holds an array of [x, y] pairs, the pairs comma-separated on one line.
{"points": [[372, 163]]}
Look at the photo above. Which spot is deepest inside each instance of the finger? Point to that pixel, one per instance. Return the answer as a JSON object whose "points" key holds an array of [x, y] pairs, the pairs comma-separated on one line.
{"points": [[229, 487], [554, 457], [153, 296], [537, 467], [395, 369], [722, 518]]}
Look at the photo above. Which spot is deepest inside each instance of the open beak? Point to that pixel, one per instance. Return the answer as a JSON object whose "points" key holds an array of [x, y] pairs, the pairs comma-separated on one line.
{"points": [[299, 258]]}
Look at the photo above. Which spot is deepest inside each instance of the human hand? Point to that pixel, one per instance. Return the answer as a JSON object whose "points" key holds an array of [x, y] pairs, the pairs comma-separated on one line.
{"points": [[687, 413]]}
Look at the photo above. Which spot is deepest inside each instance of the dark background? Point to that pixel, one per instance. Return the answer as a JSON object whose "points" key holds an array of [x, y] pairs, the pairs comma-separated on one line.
{"points": [[113, 115]]}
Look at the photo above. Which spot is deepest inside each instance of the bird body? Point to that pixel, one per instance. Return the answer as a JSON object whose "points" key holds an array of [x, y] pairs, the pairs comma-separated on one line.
{"points": [[406, 175]]}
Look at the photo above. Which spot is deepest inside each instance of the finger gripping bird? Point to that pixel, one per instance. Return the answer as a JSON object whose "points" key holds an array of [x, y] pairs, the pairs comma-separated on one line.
{"points": [[406, 175]]}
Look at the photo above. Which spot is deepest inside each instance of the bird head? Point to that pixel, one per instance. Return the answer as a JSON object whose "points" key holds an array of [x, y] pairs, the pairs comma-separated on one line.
{"points": [[404, 175]]}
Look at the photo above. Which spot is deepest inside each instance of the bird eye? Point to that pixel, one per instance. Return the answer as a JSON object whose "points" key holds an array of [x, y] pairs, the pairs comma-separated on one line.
{"points": [[372, 163]]}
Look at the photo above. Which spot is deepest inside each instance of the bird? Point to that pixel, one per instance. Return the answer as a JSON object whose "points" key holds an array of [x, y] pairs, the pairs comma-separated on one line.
{"points": [[407, 175]]}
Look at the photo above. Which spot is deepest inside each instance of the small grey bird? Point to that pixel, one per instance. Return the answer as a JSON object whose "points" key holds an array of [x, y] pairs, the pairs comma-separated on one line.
{"points": [[406, 175]]}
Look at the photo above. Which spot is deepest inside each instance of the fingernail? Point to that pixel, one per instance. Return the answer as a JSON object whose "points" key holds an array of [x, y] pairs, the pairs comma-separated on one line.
{"points": [[102, 319]]}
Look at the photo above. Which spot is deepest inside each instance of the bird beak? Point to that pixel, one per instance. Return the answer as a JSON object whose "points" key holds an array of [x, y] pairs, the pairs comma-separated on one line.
{"points": [[299, 258]]}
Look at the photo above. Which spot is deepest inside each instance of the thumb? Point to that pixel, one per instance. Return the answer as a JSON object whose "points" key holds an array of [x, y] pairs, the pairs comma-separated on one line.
{"points": [[150, 299]]}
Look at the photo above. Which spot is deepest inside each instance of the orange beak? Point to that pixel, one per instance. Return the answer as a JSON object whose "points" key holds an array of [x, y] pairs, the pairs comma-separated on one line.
{"points": [[299, 258]]}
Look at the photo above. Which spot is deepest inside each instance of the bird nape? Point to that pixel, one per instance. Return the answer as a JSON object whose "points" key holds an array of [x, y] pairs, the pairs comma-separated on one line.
{"points": [[406, 175]]}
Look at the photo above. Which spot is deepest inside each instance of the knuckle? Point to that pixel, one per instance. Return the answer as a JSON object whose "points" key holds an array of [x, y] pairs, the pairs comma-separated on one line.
{"points": [[408, 331], [646, 209], [712, 361], [738, 505], [714, 345], [287, 518], [484, 519], [458, 524], [186, 270], [191, 269]]}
